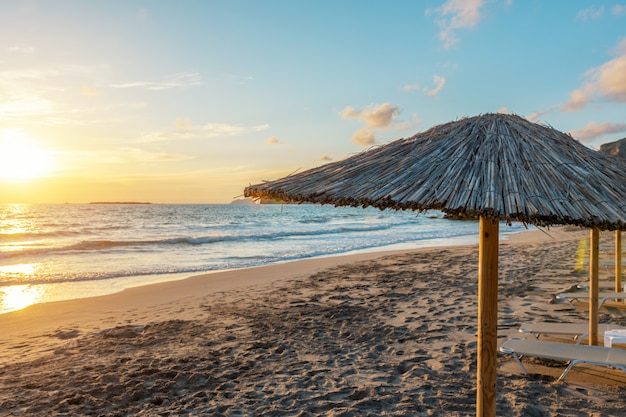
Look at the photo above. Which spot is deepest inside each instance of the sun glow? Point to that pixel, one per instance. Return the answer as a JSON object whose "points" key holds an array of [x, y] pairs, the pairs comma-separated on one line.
{"points": [[21, 158]]}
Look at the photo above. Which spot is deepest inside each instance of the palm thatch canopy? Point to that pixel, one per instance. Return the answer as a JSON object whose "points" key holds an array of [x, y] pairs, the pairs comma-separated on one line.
{"points": [[498, 166]]}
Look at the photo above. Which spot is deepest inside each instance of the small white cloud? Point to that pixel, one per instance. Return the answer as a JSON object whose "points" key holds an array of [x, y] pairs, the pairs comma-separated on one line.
{"points": [[88, 91], [618, 10], [439, 83], [381, 116], [411, 87], [273, 140], [578, 100], [503, 110], [533, 116], [590, 13], [454, 15], [142, 14], [409, 125], [183, 123], [536, 115], [364, 137], [595, 130]]}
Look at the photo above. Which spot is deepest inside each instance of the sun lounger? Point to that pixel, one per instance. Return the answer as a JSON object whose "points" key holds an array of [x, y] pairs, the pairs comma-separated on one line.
{"points": [[567, 352], [579, 331], [583, 295]]}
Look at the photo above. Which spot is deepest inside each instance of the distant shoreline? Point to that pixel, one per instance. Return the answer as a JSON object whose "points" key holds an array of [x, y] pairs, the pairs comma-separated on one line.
{"points": [[117, 202]]}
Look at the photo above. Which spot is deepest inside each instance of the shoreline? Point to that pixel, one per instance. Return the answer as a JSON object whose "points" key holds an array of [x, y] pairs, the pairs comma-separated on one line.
{"points": [[137, 302], [389, 333], [34, 294]]}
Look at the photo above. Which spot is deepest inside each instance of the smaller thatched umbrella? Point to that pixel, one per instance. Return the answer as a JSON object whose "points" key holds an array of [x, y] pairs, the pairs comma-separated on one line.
{"points": [[618, 261], [617, 150], [494, 167]]}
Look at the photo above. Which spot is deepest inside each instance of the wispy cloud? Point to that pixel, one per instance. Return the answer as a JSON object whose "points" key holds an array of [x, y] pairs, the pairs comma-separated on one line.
{"points": [[590, 13], [21, 49], [125, 155], [128, 155], [185, 130], [23, 106], [222, 129], [595, 130], [454, 15], [183, 79], [604, 83], [41, 95], [13, 76]]}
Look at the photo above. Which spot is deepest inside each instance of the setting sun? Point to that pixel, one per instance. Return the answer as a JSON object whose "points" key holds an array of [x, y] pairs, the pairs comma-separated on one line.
{"points": [[21, 158]]}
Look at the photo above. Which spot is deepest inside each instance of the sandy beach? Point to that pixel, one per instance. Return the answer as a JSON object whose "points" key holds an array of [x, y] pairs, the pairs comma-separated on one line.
{"points": [[374, 334]]}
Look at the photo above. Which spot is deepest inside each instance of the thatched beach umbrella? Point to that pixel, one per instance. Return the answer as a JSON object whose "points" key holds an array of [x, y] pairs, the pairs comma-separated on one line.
{"points": [[494, 167]]}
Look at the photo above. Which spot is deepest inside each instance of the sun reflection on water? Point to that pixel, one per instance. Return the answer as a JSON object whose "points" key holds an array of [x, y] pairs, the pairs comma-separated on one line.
{"points": [[21, 269], [17, 297]]}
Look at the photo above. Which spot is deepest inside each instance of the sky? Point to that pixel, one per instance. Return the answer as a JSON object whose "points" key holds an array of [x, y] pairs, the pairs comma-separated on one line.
{"points": [[191, 101]]}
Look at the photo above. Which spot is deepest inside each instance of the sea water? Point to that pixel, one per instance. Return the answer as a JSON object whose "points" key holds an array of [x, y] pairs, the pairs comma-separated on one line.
{"points": [[65, 251]]}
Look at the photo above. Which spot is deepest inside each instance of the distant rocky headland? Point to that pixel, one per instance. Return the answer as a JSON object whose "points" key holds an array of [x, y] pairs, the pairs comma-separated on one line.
{"points": [[617, 148], [243, 201]]}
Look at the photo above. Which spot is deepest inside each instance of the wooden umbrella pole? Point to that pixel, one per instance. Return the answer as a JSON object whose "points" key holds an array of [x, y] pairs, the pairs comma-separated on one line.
{"points": [[594, 265], [618, 261], [487, 318]]}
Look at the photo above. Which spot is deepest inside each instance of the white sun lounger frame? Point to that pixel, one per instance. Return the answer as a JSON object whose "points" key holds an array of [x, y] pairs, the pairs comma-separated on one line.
{"points": [[579, 331], [603, 297], [567, 352]]}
